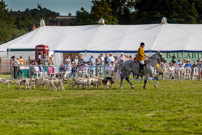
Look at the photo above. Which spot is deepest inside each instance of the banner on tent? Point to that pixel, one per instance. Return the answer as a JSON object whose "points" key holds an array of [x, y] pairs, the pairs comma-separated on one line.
{"points": [[180, 55]]}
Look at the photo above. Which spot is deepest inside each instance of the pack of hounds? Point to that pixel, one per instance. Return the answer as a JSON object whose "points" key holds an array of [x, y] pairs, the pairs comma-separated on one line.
{"points": [[56, 83]]}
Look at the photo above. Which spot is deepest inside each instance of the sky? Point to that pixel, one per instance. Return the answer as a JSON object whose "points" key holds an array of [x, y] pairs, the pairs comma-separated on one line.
{"points": [[62, 6]]}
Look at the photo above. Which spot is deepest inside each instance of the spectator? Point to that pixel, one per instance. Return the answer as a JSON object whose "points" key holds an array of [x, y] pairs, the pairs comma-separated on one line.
{"points": [[122, 57], [74, 68], [171, 70], [45, 60], [76, 60], [135, 57], [51, 62], [21, 60], [62, 70], [36, 70], [52, 58], [68, 69], [161, 70], [193, 66], [126, 57], [188, 65], [19, 71], [173, 59], [184, 62], [102, 58], [67, 59], [201, 69], [15, 65], [99, 60], [92, 69], [130, 57], [92, 59], [42, 71], [105, 59], [116, 59], [112, 66], [110, 59], [180, 69], [177, 63], [174, 64], [81, 59]]}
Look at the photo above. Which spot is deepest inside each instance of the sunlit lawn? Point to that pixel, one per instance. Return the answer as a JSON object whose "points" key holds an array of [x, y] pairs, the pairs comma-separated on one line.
{"points": [[171, 108]]}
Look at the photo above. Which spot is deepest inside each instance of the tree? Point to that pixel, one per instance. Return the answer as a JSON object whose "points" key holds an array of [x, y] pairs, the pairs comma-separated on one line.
{"points": [[148, 11], [198, 5], [100, 9], [121, 9], [7, 27]]}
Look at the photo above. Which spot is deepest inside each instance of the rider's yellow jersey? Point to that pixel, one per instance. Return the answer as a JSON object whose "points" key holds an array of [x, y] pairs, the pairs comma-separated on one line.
{"points": [[140, 54]]}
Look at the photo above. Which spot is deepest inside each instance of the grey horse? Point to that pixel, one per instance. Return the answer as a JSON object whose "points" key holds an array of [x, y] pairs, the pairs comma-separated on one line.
{"points": [[149, 69]]}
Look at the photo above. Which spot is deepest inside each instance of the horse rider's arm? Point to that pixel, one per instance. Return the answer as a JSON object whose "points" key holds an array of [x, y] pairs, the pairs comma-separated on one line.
{"points": [[141, 52]]}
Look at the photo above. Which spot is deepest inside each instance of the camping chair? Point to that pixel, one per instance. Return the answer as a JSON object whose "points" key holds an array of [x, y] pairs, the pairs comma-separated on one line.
{"points": [[187, 73], [195, 73]]}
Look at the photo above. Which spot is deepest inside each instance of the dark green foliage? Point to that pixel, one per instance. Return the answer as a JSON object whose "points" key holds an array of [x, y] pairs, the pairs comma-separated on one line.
{"points": [[7, 27], [100, 9], [148, 11]]}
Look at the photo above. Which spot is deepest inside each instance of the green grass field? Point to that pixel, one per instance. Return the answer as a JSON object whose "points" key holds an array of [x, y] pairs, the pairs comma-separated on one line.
{"points": [[171, 108]]}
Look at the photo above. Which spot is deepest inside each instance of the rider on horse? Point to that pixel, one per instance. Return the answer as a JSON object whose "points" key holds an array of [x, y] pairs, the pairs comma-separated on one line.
{"points": [[141, 57]]}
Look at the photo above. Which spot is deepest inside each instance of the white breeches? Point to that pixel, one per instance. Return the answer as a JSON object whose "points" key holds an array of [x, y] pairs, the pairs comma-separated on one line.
{"points": [[142, 62]]}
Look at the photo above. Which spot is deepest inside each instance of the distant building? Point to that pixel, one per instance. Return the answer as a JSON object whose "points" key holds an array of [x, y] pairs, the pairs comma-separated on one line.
{"points": [[64, 20]]}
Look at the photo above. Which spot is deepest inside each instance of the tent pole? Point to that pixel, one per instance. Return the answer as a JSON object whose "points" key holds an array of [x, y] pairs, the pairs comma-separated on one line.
{"points": [[149, 53]]}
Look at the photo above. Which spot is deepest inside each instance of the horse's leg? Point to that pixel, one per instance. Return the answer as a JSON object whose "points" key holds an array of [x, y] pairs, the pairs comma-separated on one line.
{"points": [[157, 81], [145, 81], [122, 77], [127, 79]]}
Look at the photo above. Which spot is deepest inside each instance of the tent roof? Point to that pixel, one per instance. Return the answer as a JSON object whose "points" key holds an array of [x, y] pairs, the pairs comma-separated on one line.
{"points": [[112, 38]]}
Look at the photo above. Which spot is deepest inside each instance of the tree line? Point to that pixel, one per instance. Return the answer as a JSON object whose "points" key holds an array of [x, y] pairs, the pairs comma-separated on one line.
{"points": [[113, 11]]}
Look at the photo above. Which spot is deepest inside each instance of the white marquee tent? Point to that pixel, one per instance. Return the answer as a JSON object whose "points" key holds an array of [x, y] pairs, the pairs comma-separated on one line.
{"points": [[110, 38]]}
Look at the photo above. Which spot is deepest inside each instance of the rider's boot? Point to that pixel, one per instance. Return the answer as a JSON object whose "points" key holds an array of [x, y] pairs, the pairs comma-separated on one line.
{"points": [[141, 68]]}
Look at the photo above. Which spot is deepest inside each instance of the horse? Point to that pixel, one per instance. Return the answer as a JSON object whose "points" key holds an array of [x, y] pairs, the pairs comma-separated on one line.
{"points": [[149, 69]]}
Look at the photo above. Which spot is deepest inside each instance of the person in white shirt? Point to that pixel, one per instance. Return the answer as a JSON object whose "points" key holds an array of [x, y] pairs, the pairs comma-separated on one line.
{"points": [[122, 57], [15, 65], [76, 60], [36, 69], [171, 70], [102, 58], [112, 66], [67, 59], [110, 59]]}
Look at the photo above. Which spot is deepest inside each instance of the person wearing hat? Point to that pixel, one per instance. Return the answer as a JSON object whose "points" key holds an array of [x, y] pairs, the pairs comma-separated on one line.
{"points": [[122, 57], [141, 57], [110, 59], [92, 59], [188, 65], [173, 59], [180, 69]]}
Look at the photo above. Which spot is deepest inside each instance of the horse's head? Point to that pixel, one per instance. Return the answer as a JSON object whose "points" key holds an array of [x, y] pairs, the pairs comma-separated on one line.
{"points": [[161, 57]]}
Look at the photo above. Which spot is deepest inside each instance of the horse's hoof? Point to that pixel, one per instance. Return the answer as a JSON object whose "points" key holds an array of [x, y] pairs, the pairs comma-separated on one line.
{"points": [[121, 88], [144, 88], [132, 87]]}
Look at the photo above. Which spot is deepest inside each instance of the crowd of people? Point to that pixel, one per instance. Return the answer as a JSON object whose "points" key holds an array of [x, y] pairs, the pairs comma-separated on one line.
{"points": [[178, 67], [71, 65]]}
